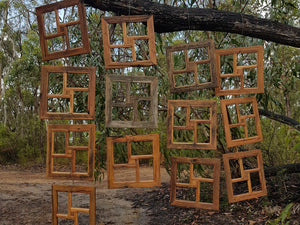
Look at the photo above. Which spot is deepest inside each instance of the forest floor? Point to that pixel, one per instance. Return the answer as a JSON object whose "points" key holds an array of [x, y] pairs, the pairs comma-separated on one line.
{"points": [[25, 198]]}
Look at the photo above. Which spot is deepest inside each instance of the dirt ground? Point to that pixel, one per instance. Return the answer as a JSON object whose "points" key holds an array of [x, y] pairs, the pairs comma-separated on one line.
{"points": [[25, 198]]}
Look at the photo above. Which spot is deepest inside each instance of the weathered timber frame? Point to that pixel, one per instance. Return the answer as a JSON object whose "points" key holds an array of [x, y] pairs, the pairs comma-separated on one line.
{"points": [[191, 66], [128, 41], [67, 93], [241, 121], [70, 152], [62, 30], [191, 124], [73, 212], [194, 182], [239, 70], [133, 161], [245, 176], [131, 101]]}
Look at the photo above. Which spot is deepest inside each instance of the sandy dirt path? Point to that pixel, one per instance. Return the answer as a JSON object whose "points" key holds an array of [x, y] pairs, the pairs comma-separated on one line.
{"points": [[25, 198]]}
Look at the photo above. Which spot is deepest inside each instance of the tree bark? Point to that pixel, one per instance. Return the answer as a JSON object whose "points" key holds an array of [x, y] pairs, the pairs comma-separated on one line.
{"points": [[280, 118], [169, 19]]}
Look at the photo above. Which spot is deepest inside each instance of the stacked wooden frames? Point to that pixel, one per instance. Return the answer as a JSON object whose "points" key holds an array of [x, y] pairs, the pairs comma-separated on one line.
{"points": [[68, 93], [59, 42], [68, 211], [191, 67], [237, 71], [133, 161], [129, 41], [240, 72]]}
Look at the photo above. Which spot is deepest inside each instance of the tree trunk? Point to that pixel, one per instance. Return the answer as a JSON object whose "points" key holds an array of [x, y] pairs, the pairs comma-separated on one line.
{"points": [[169, 19], [2, 86]]}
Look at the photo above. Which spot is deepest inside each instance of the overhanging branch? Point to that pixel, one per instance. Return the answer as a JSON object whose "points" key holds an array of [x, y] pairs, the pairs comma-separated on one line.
{"points": [[169, 19], [280, 118]]}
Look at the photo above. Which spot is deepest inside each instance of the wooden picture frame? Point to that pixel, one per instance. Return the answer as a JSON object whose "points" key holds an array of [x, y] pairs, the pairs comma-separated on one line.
{"points": [[138, 106], [133, 161], [198, 63], [195, 182], [61, 39], [72, 212], [241, 71], [246, 175], [240, 116], [68, 149], [64, 88], [207, 116], [129, 50]]}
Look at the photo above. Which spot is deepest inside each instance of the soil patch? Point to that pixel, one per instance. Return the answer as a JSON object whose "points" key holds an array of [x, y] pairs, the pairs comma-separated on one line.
{"points": [[25, 198]]}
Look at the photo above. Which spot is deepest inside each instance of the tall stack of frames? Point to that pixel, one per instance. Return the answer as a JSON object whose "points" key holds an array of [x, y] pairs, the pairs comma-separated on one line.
{"points": [[131, 102], [68, 95]]}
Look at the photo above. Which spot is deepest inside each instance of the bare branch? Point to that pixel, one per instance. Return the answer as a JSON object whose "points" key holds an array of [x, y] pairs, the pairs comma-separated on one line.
{"points": [[169, 19]]}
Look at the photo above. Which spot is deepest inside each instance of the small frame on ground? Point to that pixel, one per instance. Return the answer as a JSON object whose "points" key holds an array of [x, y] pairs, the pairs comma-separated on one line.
{"points": [[131, 102], [244, 174], [240, 71], [192, 124], [68, 93], [71, 152], [73, 203], [128, 41], [125, 155], [241, 121], [195, 182], [62, 29], [191, 66]]}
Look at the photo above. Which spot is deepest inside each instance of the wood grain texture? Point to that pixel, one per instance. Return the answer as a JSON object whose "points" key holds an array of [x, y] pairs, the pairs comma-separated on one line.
{"points": [[245, 176], [68, 93], [192, 66], [133, 161], [240, 121], [191, 124], [70, 152], [194, 182], [72, 211], [128, 42], [131, 101], [62, 30], [239, 71]]}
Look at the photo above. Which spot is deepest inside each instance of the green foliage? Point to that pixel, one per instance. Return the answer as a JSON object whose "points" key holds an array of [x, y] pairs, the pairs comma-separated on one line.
{"points": [[284, 216], [280, 145], [23, 134]]}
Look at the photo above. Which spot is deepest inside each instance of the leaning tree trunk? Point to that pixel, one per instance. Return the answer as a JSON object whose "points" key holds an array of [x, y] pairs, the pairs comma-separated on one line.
{"points": [[169, 19]]}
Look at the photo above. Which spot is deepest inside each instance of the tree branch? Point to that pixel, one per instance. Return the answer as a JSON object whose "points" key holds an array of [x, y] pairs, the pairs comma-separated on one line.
{"points": [[169, 19], [280, 118]]}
